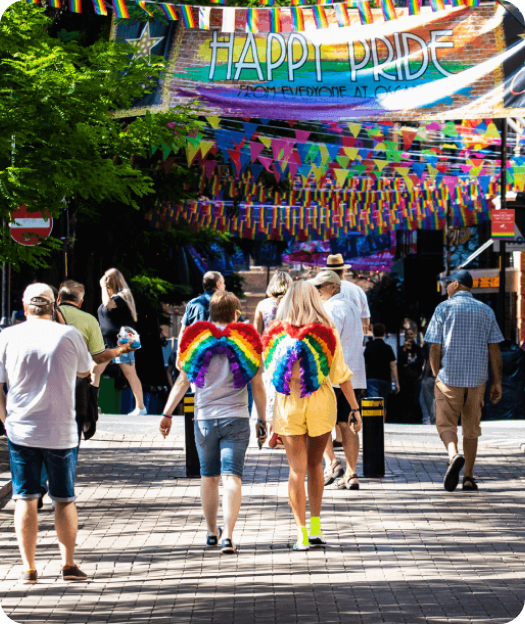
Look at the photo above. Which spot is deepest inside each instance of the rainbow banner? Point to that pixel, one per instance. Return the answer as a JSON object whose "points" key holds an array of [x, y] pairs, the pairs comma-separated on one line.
{"points": [[120, 9], [321, 21], [414, 7], [142, 5], [473, 3], [169, 11], [100, 7], [187, 16], [276, 24], [204, 18], [365, 13], [437, 5], [55, 4], [341, 13], [33, 1], [252, 20], [297, 19], [389, 13], [75, 6]]}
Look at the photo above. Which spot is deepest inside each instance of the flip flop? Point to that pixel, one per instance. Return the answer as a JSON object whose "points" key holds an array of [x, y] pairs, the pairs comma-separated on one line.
{"points": [[334, 472]]}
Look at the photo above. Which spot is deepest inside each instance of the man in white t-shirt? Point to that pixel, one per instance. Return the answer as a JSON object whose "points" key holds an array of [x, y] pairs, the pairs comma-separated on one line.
{"points": [[352, 292], [40, 361], [347, 320]]}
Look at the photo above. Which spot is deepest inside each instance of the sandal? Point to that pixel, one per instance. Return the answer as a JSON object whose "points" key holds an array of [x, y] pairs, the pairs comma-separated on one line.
{"points": [[344, 483], [469, 484], [333, 472]]}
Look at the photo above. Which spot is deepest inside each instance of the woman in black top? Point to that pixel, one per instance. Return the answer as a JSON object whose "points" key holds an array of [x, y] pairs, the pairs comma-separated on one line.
{"points": [[118, 310], [410, 364]]}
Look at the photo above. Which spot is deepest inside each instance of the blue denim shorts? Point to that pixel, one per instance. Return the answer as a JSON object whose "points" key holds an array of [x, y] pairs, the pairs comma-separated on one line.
{"points": [[125, 358], [378, 388], [222, 444], [26, 469]]}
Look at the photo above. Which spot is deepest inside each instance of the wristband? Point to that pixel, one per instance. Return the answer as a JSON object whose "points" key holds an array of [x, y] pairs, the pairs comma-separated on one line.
{"points": [[354, 410], [167, 416]]}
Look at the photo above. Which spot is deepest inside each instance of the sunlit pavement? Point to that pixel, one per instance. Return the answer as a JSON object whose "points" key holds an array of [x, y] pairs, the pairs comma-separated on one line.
{"points": [[401, 549]]}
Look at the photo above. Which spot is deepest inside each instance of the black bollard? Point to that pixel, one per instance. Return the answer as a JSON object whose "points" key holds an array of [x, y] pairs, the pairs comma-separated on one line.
{"points": [[372, 411], [193, 467]]}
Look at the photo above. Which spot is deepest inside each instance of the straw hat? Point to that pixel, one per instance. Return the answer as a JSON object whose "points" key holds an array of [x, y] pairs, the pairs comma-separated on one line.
{"points": [[336, 262]]}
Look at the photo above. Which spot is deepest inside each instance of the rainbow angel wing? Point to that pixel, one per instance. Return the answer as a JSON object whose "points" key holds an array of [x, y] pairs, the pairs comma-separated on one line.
{"points": [[239, 342], [313, 346]]}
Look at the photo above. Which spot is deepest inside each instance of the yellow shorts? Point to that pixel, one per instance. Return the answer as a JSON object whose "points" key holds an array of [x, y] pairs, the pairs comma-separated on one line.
{"points": [[314, 415]]}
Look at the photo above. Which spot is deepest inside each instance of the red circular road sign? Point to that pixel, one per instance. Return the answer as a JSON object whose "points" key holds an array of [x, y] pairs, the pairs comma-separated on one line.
{"points": [[28, 228]]}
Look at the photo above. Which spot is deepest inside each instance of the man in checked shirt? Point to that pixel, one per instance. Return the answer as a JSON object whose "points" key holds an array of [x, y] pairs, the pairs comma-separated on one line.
{"points": [[463, 336]]}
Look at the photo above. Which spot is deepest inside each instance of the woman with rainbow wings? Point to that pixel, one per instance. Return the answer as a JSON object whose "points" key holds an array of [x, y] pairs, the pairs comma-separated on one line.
{"points": [[303, 356]]}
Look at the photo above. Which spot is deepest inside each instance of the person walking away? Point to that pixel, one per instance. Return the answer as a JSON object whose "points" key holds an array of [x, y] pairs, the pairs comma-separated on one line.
{"points": [[351, 291], [463, 336], [348, 324], [426, 398], [303, 354], [118, 310], [39, 361], [381, 369], [265, 313], [220, 357], [410, 363]]}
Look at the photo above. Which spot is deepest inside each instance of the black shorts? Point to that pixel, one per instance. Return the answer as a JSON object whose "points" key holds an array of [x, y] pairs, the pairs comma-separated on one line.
{"points": [[343, 406]]}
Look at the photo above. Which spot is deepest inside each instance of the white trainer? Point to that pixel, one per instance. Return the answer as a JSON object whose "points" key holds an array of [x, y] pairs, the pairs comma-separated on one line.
{"points": [[138, 412]]}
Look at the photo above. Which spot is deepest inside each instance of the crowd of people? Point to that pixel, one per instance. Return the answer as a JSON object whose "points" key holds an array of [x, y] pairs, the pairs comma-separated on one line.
{"points": [[302, 363]]}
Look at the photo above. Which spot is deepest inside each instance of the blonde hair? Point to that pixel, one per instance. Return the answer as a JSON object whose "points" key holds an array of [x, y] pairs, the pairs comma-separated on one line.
{"points": [[303, 305], [279, 285], [118, 286]]}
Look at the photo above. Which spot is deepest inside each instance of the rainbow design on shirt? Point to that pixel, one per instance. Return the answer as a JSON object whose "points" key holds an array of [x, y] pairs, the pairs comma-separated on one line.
{"points": [[75, 6], [321, 21], [120, 9], [239, 342], [413, 7], [187, 17], [169, 11], [252, 20], [389, 13], [100, 7], [297, 19], [365, 13], [313, 346]]}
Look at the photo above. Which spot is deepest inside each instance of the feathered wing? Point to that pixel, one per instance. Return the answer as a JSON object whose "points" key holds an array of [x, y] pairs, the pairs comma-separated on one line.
{"points": [[238, 341], [313, 346]]}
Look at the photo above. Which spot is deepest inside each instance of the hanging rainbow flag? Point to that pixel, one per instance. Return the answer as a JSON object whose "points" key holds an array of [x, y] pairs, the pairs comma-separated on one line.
{"points": [[341, 13], [389, 13], [100, 7], [204, 18], [365, 13], [458, 3], [55, 4], [252, 20], [321, 21], [297, 19], [169, 11], [142, 5], [75, 6], [437, 5], [120, 9], [33, 1], [296, 2], [188, 17], [473, 3], [276, 24], [413, 7], [266, 2]]}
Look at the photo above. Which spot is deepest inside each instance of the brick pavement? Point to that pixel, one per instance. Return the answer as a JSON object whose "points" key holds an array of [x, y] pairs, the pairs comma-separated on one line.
{"points": [[401, 549]]}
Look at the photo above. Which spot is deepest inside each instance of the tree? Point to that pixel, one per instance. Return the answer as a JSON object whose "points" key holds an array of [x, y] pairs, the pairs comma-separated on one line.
{"points": [[59, 137]]}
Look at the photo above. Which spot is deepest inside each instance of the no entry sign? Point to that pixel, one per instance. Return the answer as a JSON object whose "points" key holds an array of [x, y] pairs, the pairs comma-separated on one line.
{"points": [[28, 228], [503, 224]]}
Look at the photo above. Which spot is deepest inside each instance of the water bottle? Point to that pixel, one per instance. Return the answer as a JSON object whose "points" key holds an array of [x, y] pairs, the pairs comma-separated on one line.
{"points": [[128, 334]]}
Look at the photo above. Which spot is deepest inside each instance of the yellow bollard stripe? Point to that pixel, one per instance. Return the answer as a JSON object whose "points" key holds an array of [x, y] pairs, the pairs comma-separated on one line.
{"points": [[373, 413], [189, 409], [368, 403], [189, 400]]}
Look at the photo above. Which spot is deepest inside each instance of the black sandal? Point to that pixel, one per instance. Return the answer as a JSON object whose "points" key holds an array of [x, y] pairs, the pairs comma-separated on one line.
{"points": [[469, 484], [344, 484], [334, 472]]}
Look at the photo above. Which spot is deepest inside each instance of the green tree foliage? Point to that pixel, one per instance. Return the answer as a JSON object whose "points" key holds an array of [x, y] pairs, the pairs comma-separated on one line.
{"points": [[59, 137]]}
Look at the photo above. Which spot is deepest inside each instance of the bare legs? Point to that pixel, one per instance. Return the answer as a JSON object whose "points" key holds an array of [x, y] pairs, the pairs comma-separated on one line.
{"points": [[470, 449], [231, 502], [130, 373], [26, 528], [351, 450], [305, 456]]}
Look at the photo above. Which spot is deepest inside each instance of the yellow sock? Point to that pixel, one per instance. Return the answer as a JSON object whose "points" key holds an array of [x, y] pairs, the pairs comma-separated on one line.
{"points": [[302, 536], [315, 525]]}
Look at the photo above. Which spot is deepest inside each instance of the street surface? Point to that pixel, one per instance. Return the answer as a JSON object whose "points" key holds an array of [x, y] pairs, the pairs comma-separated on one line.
{"points": [[401, 550]]}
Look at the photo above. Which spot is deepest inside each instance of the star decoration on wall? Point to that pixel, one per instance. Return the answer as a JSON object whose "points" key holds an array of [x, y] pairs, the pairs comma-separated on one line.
{"points": [[145, 43]]}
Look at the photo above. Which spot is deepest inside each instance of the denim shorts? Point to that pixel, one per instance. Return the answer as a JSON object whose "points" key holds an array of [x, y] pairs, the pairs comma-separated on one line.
{"points": [[222, 444], [378, 388], [26, 469], [125, 358]]}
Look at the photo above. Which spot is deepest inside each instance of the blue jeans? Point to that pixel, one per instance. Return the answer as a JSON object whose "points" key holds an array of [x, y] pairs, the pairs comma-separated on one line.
{"points": [[378, 388], [222, 445], [26, 471]]}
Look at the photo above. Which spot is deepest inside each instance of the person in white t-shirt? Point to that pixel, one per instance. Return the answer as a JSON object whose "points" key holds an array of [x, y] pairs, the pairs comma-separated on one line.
{"points": [[40, 361], [347, 320], [351, 291]]}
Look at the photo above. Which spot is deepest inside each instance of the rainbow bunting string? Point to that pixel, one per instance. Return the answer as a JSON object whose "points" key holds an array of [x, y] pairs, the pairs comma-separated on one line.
{"points": [[142, 5], [437, 5], [55, 4], [414, 7], [389, 13], [297, 19], [276, 24], [473, 3], [267, 2], [458, 3], [33, 1], [341, 13], [169, 11], [188, 17], [321, 21], [100, 7], [365, 13], [120, 9], [75, 6], [204, 18], [252, 20]]}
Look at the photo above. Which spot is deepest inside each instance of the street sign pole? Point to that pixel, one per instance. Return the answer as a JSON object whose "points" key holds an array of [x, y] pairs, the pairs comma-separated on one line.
{"points": [[503, 243]]}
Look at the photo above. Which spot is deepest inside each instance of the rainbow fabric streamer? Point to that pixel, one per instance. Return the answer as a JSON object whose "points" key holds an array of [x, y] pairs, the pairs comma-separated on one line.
{"points": [[204, 18], [389, 13], [33, 1], [341, 13], [120, 9], [252, 20], [312, 346], [100, 7], [365, 13], [55, 4], [321, 21], [414, 7], [276, 23], [473, 3], [75, 6], [437, 5], [297, 19], [187, 17], [267, 2], [458, 3], [169, 11], [239, 342], [142, 5]]}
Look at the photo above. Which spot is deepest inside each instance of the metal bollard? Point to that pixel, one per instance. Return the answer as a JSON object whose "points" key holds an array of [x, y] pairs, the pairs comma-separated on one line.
{"points": [[193, 467], [373, 411]]}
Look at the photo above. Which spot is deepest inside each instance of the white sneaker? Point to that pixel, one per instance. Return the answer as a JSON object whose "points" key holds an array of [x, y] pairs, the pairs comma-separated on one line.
{"points": [[138, 412]]}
